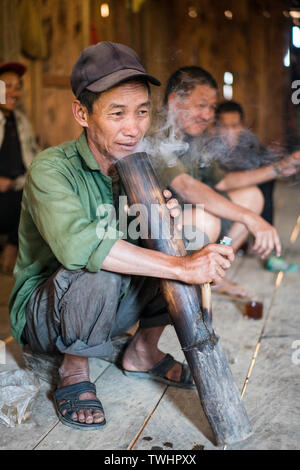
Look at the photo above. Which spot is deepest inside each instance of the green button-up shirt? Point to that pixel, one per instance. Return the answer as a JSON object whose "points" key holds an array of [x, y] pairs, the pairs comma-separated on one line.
{"points": [[60, 220]]}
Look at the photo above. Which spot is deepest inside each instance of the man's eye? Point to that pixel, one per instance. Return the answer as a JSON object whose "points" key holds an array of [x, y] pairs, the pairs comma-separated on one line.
{"points": [[117, 114], [143, 112]]}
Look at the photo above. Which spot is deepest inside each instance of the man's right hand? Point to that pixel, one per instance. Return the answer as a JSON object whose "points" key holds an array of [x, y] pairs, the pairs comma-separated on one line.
{"points": [[207, 265]]}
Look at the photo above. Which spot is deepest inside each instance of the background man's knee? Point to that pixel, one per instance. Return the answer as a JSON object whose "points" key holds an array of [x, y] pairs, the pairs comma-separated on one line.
{"points": [[251, 198]]}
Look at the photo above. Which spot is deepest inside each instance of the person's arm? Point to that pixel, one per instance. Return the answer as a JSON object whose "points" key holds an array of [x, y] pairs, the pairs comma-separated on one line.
{"points": [[76, 242], [242, 179], [30, 147], [196, 192], [206, 265]]}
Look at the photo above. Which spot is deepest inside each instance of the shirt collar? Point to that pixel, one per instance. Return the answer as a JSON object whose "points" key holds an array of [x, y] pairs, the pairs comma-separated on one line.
{"points": [[85, 152], [89, 159]]}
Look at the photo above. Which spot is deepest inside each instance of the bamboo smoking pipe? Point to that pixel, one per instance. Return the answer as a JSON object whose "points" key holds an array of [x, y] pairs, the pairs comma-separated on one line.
{"points": [[219, 396]]}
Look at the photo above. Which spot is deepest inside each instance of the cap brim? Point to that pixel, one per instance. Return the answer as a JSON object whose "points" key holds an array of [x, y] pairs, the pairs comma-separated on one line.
{"points": [[17, 67], [118, 77]]}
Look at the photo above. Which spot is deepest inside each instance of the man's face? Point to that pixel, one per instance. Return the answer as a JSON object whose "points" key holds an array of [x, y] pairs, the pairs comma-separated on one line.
{"points": [[196, 111], [230, 125], [120, 119], [13, 87]]}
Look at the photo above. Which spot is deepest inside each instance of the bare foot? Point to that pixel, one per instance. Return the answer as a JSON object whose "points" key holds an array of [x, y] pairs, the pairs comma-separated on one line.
{"points": [[231, 289], [142, 353], [75, 369]]}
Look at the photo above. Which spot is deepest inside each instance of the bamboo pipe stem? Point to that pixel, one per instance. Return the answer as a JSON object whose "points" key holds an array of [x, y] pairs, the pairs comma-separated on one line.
{"points": [[218, 393]]}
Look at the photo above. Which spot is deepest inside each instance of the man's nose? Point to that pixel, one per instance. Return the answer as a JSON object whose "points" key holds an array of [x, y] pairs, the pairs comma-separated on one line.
{"points": [[131, 127], [207, 114]]}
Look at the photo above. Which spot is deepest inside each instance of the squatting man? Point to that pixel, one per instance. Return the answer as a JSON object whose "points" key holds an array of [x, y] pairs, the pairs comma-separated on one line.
{"points": [[74, 292]]}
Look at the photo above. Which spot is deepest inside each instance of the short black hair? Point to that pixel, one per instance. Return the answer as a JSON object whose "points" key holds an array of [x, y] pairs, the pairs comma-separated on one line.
{"points": [[229, 107], [87, 98], [185, 79]]}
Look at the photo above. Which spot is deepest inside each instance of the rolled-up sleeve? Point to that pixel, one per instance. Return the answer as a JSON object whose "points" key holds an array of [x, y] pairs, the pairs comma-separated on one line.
{"points": [[62, 221], [167, 168]]}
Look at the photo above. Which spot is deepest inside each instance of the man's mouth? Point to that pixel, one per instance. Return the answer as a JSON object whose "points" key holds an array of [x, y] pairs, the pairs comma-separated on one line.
{"points": [[202, 123], [128, 145]]}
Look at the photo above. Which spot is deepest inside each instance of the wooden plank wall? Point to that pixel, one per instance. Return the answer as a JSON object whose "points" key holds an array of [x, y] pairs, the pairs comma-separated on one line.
{"points": [[48, 96], [251, 45], [9, 31]]}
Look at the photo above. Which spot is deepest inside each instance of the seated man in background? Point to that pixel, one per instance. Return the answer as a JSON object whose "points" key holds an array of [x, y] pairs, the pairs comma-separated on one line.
{"points": [[17, 150], [245, 160], [191, 99]]}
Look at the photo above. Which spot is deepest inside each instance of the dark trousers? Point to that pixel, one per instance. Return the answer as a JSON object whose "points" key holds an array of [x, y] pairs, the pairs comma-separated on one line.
{"points": [[10, 209], [78, 312]]}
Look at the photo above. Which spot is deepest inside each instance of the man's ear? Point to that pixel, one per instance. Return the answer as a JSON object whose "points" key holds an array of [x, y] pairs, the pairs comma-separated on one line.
{"points": [[80, 113], [173, 99]]}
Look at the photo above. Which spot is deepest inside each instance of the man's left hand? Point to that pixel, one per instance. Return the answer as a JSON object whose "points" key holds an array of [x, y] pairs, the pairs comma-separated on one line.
{"points": [[171, 203], [290, 165], [266, 236]]}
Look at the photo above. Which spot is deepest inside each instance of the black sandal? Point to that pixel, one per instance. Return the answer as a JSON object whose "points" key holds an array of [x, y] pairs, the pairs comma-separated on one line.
{"points": [[70, 394], [159, 371]]}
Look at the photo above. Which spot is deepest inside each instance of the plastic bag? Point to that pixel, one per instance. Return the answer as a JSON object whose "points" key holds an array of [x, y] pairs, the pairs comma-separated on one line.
{"points": [[18, 390]]}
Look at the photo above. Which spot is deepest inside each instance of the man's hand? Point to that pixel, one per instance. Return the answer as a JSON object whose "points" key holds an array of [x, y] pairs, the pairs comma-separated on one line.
{"points": [[266, 236], [207, 265], [296, 157], [6, 184], [290, 165], [172, 204]]}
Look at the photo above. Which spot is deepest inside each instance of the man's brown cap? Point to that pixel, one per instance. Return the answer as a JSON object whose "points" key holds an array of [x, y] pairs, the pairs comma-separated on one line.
{"points": [[105, 65]]}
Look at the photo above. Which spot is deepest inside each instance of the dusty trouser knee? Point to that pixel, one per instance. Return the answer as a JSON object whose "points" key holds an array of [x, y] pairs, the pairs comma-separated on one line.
{"points": [[77, 312]]}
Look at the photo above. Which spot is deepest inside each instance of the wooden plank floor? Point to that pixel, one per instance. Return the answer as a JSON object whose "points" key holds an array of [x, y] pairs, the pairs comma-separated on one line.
{"points": [[145, 415]]}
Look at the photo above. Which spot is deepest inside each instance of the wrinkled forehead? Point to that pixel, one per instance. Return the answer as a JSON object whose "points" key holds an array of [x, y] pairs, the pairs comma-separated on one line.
{"points": [[230, 118], [129, 93], [201, 94]]}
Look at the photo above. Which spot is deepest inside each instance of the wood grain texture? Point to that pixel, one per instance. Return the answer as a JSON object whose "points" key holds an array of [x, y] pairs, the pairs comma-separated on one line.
{"points": [[251, 46]]}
